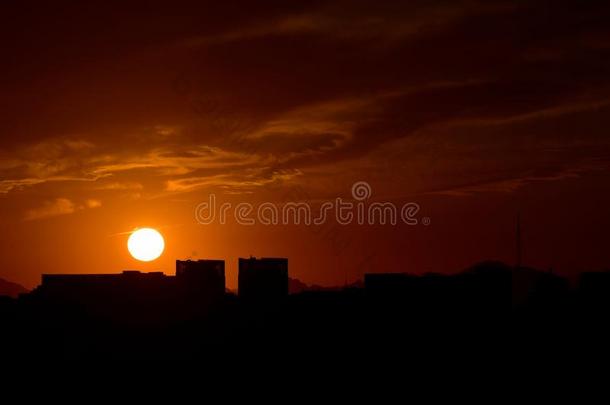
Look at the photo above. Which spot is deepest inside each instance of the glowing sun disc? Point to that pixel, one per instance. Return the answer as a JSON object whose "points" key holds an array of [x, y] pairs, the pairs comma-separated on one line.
{"points": [[145, 244]]}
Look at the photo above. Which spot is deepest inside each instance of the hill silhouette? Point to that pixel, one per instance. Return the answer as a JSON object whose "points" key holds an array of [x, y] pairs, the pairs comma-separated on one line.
{"points": [[296, 286], [11, 289]]}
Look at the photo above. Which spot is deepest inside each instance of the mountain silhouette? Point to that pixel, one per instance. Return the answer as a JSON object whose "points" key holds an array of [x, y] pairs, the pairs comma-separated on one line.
{"points": [[11, 289], [296, 286]]}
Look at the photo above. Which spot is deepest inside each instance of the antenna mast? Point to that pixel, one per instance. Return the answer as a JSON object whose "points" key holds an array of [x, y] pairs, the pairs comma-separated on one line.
{"points": [[518, 241]]}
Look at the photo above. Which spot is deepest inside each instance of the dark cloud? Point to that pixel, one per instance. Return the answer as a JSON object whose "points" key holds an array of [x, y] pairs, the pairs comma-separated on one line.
{"points": [[194, 94]]}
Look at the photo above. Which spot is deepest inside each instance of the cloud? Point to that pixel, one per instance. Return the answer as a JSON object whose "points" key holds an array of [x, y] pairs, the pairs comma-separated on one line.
{"points": [[349, 22], [558, 110], [116, 185], [159, 160], [233, 183], [504, 185], [292, 144], [93, 203], [434, 96], [175, 161], [59, 206], [7, 186]]}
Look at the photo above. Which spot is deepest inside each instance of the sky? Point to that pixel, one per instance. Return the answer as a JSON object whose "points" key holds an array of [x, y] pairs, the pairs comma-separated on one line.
{"points": [[117, 116]]}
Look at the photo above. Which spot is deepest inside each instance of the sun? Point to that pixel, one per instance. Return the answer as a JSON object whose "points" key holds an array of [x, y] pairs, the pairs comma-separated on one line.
{"points": [[145, 244]]}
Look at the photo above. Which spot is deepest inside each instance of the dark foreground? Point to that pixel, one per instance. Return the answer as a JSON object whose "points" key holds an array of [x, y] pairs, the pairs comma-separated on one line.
{"points": [[436, 321]]}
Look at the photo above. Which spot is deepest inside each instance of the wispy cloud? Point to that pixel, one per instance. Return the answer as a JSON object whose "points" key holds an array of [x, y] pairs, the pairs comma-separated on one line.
{"points": [[397, 23], [508, 185], [163, 161], [120, 185], [93, 203], [232, 183], [7, 186], [58, 207], [557, 110]]}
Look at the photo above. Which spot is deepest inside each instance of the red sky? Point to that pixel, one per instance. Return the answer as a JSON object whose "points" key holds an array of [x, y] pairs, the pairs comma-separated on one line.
{"points": [[114, 117]]}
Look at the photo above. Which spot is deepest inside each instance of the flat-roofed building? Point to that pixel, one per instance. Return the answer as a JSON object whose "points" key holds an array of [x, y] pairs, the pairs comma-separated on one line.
{"points": [[263, 279]]}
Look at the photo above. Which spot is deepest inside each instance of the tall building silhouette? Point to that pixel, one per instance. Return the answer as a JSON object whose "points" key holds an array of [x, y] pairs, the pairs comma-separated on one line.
{"points": [[263, 279], [202, 277]]}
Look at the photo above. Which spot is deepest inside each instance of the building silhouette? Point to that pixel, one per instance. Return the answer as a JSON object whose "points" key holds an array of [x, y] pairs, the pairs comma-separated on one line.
{"points": [[263, 279], [133, 295], [190, 315], [129, 297], [196, 283], [86, 287], [202, 277]]}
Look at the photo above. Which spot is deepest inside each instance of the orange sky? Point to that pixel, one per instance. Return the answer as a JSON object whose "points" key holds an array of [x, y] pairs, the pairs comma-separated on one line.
{"points": [[114, 118]]}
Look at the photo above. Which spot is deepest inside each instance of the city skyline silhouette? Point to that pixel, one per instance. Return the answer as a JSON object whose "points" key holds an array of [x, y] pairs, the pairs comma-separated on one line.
{"points": [[345, 188]]}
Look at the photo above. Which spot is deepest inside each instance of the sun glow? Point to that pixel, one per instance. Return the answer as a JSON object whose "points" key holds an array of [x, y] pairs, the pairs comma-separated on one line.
{"points": [[145, 244]]}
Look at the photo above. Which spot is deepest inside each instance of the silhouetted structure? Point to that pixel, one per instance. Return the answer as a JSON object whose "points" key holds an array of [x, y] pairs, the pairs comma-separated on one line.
{"points": [[518, 243], [535, 287], [138, 297], [190, 315], [85, 287], [388, 283], [595, 289], [131, 296], [202, 277], [483, 287], [263, 279]]}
